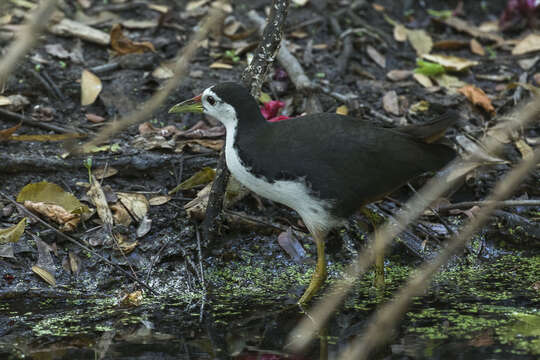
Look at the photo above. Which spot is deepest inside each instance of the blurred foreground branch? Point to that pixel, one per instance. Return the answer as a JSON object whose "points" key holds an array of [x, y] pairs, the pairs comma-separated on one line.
{"points": [[26, 38]]}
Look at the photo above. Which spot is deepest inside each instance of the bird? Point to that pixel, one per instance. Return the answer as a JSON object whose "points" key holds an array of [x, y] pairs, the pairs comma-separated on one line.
{"points": [[324, 166]]}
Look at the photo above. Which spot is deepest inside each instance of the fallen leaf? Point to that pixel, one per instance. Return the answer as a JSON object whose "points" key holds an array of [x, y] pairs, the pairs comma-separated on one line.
{"points": [[203, 176], [13, 233], [57, 213], [400, 33], [53, 194], [478, 97], [44, 274], [123, 45], [450, 44], [390, 103], [90, 87], [4, 100], [162, 72], [420, 41], [343, 110], [449, 82], [452, 63], [104, 172], [220, 65], [529, 44], [159, 8], [398, 75], [424, 80], [477, 48], [137, 204], [376, 56], [479, 33], [95, 118], [525, 149], [6, 134], [159, 200], [120, 214]]}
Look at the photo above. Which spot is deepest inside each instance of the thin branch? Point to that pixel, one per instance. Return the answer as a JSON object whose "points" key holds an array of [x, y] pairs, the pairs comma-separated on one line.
{"points": [[26, 38], [253, 77], [500, 204], [255, 74]]}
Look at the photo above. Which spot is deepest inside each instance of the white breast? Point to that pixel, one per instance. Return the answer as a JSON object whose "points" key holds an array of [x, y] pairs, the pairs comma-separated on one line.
{"points": [[292, 194]]}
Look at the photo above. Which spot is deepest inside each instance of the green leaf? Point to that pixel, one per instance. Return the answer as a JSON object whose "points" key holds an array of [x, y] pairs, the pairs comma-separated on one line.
{"points": [[428, 68]]}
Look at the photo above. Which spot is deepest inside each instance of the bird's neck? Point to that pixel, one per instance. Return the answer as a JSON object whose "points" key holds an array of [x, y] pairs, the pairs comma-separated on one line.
{"points": [[245, 122]]}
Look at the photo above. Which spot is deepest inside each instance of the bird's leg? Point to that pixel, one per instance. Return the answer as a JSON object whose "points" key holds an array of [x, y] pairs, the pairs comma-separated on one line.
{"points": [[319, 276], [375, 220]]}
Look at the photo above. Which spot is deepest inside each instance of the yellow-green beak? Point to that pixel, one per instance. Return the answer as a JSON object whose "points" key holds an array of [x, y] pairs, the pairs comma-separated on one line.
{"points": [[192, 105]]}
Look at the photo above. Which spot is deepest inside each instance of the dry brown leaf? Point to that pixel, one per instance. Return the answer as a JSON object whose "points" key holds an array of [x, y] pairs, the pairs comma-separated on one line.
{"points": [[478, 97], [93, 118], [398, 75], [450, 44], [96, 194], [136, 204], [525, 149], [452, 63], [376, 56], [529, 44], [123, 45], [44, 274], [462, 25], [390, 103], [13, 233], [343, 110], [104, 172], [220, 65], [57, 213], [477, 48], [120, 214], [159, 200], [423, 80], [6, 134], [400, 33], [421, 41], [90, 87]]}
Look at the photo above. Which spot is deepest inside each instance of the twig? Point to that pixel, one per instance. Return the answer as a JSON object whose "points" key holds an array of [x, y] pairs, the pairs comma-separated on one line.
{"points": [[76, 242], [306, 330], [255, 74], [387, 316], [253, 77], [500, 204], [292, 66], [8, 115], [26, 38]]}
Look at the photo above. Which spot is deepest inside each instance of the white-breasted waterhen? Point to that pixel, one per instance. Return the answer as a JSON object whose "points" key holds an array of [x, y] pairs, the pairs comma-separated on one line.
{"points": [[325, 166]]}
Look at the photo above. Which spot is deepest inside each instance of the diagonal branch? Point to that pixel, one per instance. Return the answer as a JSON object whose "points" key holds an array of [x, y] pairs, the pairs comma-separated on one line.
{"points": [[26, 38], [253, 77]]}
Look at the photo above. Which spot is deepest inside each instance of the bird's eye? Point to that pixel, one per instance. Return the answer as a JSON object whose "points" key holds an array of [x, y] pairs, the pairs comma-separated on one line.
{"points": [[211, 100]]}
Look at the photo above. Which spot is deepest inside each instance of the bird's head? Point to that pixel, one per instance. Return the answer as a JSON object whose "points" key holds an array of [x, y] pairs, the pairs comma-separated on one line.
{"points": [[224, 102]]}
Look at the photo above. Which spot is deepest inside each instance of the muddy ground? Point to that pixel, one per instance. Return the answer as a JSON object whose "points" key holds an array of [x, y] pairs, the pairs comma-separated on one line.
{"points": [[483, 305]]}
